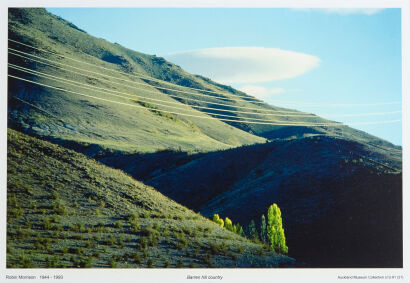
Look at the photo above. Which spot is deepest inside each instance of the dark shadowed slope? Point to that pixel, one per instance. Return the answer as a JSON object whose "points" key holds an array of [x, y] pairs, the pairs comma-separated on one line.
{"points": [[339, 188], [321, 183], [65, 210]]}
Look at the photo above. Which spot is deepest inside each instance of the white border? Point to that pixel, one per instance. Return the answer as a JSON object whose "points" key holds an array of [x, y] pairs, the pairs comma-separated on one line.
{"points": [[229, 275]]}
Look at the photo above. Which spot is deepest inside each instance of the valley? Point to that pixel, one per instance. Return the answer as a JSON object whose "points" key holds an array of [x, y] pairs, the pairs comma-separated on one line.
{"points": [[120, 159]]}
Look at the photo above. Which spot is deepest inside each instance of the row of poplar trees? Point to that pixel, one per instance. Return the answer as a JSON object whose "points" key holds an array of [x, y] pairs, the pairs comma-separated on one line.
{"points": [[271, 231]]}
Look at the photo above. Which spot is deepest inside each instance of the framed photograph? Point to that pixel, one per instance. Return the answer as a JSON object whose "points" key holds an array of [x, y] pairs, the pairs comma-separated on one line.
{"points": [[198, 141]]}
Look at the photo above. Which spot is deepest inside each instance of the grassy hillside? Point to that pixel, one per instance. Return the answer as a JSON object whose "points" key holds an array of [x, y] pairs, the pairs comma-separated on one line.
{"points": [[65, 210], [124, 122], [317, 181], [101, 126], [326, 179]]}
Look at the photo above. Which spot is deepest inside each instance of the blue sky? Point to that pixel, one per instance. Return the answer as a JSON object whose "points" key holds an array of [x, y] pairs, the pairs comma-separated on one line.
{"points": [[334, 60]]}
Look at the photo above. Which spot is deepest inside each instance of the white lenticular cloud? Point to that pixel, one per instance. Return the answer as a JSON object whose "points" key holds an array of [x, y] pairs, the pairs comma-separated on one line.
{"points": [[260, 91], [245, 64]]}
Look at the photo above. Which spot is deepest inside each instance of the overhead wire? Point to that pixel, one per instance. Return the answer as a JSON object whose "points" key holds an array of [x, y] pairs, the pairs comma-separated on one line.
{"points": [[293, 113], [72, 83], [87, 86], [231, 97], [196, 116], [141, 76], [338, 104], [131, 96], [144, 84], [197, 89]]}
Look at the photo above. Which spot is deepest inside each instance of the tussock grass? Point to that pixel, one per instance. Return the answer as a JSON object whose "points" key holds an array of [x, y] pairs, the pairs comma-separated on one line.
{"points": [[45, 231]]}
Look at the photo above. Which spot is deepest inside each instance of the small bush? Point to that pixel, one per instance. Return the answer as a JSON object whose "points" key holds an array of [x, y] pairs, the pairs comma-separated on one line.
{"points": [[55, 195], [112, 263], [150, 263], [53, 262], [137, 258], [86, 262], [101, 203], [118, 224], [79, 227], [60, 209], [76, 250], [25, 261], [46, 223], [207, 258]]}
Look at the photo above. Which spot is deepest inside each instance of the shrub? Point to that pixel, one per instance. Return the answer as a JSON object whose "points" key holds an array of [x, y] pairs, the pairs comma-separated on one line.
{"points": [[137, 258], [143, 243], [76, 250], [151, 235], [207, 259], [79, 227], [86, 262], [55, 195], [233, 256], [25, 261], [118, 224], [120, 242], [111, 241], [112, 263], [46, 223], [53, 262]]}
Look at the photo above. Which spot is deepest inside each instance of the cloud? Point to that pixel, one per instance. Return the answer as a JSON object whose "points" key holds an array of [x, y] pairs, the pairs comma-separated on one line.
{"points": [[260, 91], [344, 11], [244, 64]]}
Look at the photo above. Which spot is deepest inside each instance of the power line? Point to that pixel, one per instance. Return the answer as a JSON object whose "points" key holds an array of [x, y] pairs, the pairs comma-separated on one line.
{"points": [[197, 89], [144, 84], [235, 97], [134, 82], [143, 76], [87, 86], [69, 82], [202, 107], [335, 104], [202, 117]]}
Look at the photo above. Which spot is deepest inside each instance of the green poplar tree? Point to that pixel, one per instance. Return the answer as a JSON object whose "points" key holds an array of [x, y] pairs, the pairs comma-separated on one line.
{"points": [[238, 229], [263, 229], [253, 234], [228, 224], [218, 220], [275, 232]]}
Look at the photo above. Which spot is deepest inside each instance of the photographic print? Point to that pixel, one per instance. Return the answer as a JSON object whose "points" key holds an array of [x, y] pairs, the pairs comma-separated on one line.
{"points": [[204, 138]]}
